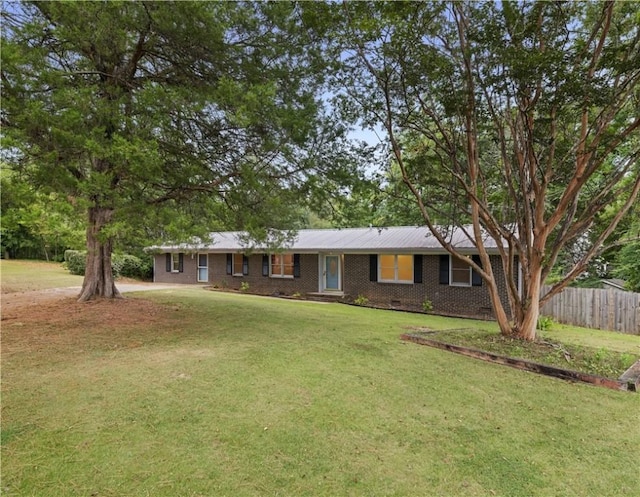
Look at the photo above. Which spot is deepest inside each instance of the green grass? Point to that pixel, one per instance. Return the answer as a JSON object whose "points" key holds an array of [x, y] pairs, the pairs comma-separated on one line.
{"points": [[618, 342], [237, 395], [23, 276], [599, 361]]}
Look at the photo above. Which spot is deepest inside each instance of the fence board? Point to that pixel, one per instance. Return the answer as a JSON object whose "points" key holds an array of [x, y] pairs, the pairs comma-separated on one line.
{"points": [[608, 309]]}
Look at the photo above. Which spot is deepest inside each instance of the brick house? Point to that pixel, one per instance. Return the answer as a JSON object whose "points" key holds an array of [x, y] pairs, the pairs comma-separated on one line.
{"points": [[399, 267]]}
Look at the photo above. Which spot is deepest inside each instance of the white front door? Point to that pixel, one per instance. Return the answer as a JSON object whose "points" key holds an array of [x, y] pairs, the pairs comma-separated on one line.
{"points": [[203, 268], [332, 273]]}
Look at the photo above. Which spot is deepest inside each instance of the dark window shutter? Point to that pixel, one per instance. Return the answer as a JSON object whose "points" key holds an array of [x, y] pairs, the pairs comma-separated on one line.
{"points": [[168, 263], [296, 265], [265, 265], [180, 263], [417, 268], [444, 269], [373, 267], [476, 279], [229, 263], [245, 265]]}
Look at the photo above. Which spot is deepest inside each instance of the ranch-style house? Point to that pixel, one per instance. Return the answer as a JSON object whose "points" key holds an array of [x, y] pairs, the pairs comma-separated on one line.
{"points": [[396, 267]]}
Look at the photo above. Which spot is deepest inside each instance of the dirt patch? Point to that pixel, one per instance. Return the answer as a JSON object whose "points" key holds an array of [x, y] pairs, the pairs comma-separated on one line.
{"points": [[49, 322], [16, 300]]}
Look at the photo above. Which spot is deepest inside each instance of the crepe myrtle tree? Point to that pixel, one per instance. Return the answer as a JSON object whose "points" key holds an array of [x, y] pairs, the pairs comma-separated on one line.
{"points": [[515, 121], [146, 111]]}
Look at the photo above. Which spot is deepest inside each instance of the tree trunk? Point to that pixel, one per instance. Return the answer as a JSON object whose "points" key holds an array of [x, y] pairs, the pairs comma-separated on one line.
{"points": [[505, 325], [98, 276], [526, 329]]}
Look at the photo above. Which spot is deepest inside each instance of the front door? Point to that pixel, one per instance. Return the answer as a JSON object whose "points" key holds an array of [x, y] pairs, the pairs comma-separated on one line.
{"points": [[332, 273], [203, 268]]}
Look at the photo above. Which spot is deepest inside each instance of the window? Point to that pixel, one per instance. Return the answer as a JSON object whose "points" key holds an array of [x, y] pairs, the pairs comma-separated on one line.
{"points": [[460, 273], [281, 266], [238, 264], [175, 263], [395, 268]]}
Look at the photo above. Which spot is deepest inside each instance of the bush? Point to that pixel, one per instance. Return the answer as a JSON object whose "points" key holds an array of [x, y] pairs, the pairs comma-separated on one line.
{"points": [[122, 265], [130, 266], [75, 261], [545, 323], [361, 300]]}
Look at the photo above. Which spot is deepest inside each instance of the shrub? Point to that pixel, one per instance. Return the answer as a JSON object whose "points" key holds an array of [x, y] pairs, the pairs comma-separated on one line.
{"points": [[427, 306], [122, 265], [361, 300], [244, 287], [545, 323], [130, 266], [75, 261]]}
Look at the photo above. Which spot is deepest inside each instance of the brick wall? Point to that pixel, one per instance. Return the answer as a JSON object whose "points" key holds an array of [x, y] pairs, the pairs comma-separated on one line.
{"points": [[446, 299], [457, 300], [307, 282], [189, 273]]}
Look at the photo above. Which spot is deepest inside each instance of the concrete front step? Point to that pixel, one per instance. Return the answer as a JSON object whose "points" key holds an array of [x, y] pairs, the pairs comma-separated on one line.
{"points": [[325, 296]]}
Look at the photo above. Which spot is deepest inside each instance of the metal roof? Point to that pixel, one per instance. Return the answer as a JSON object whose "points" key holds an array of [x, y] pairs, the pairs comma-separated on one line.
{"points": [[409, 239]]}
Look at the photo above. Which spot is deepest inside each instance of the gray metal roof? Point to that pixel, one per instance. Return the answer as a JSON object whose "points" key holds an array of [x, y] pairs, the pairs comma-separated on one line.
{"points": [[409, 239]]}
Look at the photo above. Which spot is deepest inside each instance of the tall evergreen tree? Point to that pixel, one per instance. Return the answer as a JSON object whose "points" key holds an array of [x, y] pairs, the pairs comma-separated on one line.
{"points": [[145, 110]]}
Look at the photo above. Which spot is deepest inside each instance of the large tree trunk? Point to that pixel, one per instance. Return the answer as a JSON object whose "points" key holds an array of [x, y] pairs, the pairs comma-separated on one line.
{"points": [[526, 324], [505, 325], [98, 276], [527, 329]]}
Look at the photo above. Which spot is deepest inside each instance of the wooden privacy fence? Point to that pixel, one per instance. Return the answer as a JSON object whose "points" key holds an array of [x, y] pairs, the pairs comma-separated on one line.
{"points": [[594, 308]]}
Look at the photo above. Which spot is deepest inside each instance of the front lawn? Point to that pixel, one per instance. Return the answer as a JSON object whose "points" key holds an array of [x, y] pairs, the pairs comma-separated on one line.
{"points": [[196, 393], [24, 276]]}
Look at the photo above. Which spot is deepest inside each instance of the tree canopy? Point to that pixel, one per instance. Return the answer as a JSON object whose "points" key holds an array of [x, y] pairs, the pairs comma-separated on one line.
{"points": [[167, 118], [517, 121], [34, 224]]}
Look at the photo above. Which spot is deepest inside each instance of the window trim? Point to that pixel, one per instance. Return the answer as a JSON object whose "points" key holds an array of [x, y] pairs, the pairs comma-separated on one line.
{"points": [[470, 269], [282, 266], [396, 270], [175, 262], [233, 264]]}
